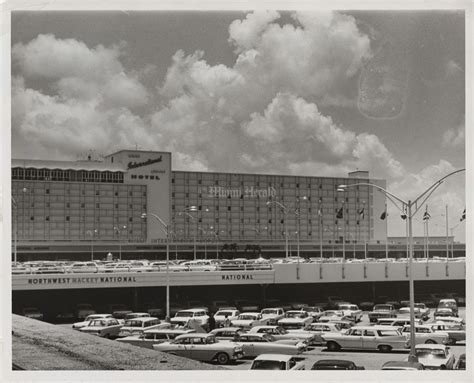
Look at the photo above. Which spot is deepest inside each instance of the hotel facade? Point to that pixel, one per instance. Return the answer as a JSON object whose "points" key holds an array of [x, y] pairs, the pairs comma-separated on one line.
{"points": [[67, 206]]}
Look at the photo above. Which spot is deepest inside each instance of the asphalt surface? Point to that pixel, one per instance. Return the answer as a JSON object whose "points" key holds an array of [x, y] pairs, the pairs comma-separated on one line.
{"points": [[370, 360]]}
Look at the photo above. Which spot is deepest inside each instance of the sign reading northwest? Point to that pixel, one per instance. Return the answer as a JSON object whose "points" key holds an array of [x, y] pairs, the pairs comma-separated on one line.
{"points": [[133, 165]]}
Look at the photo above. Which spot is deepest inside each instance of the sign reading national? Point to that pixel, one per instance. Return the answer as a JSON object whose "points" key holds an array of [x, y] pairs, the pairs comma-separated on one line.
{"points": [[236, 277]]}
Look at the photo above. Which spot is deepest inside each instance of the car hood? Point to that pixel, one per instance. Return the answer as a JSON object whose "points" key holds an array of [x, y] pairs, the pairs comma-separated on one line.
{"points": [[428, 361], [80, 324], [242, 322]]}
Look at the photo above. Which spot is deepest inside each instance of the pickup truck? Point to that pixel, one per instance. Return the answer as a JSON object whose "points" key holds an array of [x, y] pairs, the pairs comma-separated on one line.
{"points": [[277, 362]]}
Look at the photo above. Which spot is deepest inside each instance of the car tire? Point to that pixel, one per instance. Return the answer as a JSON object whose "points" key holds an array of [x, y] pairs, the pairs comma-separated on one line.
{"points": [[385, 348], [222, 358], [442, 367], [333, 346], [430, 341]]}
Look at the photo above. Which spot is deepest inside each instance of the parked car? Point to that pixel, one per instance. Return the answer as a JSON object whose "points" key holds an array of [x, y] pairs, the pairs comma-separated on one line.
{"points": [[104, 327], [329, 315], [461, 363], [404, 312], [449, 303], [295, 319], [86, 321], [382, 311], [314, 311], [33, 313], [137, 326], [248, 320], [83, 310], [202, 347], [200, 265], [442, 312], [221, 316], [350, 310], [226, 333], [256, 344], [317, 330], [425, 334], [365, 305], [280, 333], [277, 362], [334, 301], [397, 322], [456, 332], [344, 324], [335, 364], [402, 365], [272, 315], [155, 336], [118, 310], [84, 267], [435, 356], [184, 316], [382, 338]]}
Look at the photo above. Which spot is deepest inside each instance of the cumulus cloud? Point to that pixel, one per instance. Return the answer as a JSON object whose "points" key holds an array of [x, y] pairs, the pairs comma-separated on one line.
{"points": [[454, 137]]}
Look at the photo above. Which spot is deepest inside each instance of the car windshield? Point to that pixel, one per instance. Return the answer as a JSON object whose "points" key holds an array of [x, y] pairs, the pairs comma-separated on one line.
{"points": [[347, 307], [293, 314], [268, 365], [293, 326], [246, 317], [431, 353], [184, 314], [224, 313]]}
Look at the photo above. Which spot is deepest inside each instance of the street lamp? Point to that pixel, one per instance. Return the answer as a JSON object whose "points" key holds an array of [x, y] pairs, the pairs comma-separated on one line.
{"points": [[186, 212], [166, 229], [119, 231], [92, 233], [409, 208], [286, 210]]}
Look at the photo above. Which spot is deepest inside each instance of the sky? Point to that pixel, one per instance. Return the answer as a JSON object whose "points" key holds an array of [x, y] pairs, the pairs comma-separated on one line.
{"points": [[303, 93]]}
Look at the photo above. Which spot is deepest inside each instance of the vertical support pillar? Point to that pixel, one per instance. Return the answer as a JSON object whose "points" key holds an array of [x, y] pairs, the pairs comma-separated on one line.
{"points": [[373, 291], [135, 299], [264, 295]]}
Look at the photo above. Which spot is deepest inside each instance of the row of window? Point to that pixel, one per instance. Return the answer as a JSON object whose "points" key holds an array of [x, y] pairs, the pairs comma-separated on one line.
{"points": [[66, 175]]}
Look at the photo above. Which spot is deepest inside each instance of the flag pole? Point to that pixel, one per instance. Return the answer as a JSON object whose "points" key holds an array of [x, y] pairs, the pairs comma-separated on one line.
{"points": [[447, 234], [427, 236], [386, 233]]}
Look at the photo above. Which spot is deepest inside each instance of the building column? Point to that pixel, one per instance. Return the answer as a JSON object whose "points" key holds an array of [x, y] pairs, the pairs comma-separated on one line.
{"points": [[135, 299], [264, 295]]}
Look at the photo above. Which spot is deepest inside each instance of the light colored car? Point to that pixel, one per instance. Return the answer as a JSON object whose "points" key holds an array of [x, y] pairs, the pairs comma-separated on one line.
{"points": [[272, 315], [314, 311], [33, 313], [405, 312], [281, 334], [350, 310], [155, 336], [256, 344], [83, 310], [184, 316], [248, 320], [317, 330], [277, 362], [435, 356], [200, 265], [382, 311], [86, 321], [451, 321], [397, 322], [443, 312], [202, 347], [456, 332], [425, 334], [450, 303], [104, 327], [221, 316], [331, 314], [382, 338], [295, 319], [226, 333], [84, 267], [172, 267], [137, 326]]}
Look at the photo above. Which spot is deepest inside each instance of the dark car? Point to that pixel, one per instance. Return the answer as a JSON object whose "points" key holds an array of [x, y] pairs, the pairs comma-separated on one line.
{"points": [[402, 365], [335, 364], [461, 363]]}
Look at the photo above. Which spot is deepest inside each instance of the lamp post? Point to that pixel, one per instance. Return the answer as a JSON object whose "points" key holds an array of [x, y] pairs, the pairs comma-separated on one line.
{"points": [[216, 235], [286, 210], [119, 231], [166, 229], [92, 233], [410, 208], [186, 212]]}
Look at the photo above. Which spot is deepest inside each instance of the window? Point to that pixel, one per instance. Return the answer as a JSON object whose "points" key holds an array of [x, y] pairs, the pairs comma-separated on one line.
{"points": [[97, 205], [152, 177], [172, 180], [116, 194], [130, 219], [140, 177], [32, 218], [229, 208], [116, 205], [134, 176], [82, 205], [68, 205], [97, 192], [47, 191], [370, 333], [47, 218], [356, 332], [67, 218]]}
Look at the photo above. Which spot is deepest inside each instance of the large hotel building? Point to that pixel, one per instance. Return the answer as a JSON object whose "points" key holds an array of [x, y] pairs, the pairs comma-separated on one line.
{"points": [[69, 206]]}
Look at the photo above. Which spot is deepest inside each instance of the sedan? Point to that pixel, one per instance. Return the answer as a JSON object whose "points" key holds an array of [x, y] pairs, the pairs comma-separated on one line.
{"points": [[78, 325], [256, 344], [105, 328], [248, 320], [202, 347], [435, 356]]}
